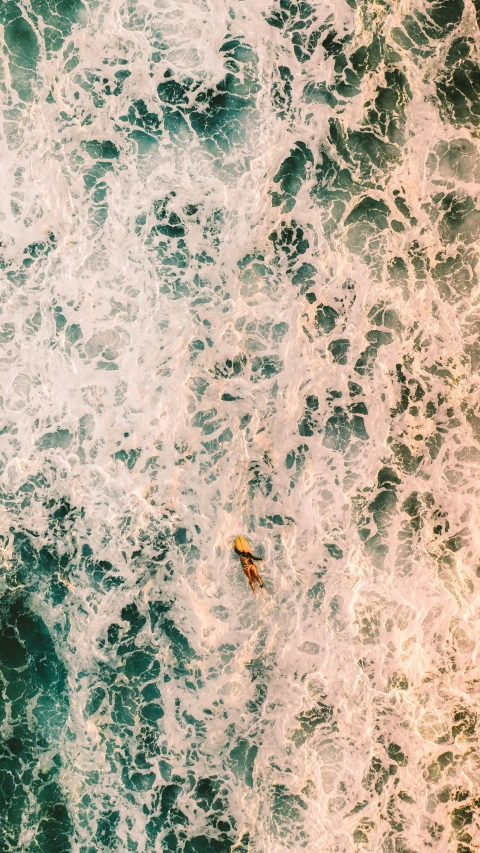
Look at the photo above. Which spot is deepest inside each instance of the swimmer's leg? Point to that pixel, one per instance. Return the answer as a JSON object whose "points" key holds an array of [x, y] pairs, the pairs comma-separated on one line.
{"points": [[257, 577]]}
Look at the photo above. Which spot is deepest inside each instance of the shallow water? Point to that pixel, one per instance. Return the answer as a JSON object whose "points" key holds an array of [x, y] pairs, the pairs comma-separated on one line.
{"points": [[239, 295]]}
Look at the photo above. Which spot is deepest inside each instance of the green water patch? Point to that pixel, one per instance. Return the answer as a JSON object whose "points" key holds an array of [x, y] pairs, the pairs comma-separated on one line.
{"points": [[382, 315], [112, 84], [264, 367], [290, 243], [231, 367], [35, 684], [310, 719], [316, 593], [101, 574], [129, 458], [242, 760], [173, 92], [344, 425], [125, 701], [295, 461], [146, 143], [476, 4], [382, 509], [408, 460], [222, 123], [297, 23], [290, 177], [350, 66], [281, 91], [420, 30], [414, 398], [326, 317], [378, 146], [34, 257], [366, 361], [182, 266], [59, 17], [454, 270], [414, 509], [364, 224], [403, 208], [21, 41], [357, 159], [8, 333], [441, 17], [271, 520], [164, 812], [106, 829], [94, 180], [377, 775], [39, 250], [374, 517], [370, 151], [288, 815], [94, 82], [333, 190], [260, 477], [338, 350], [41, 570], [458, 90], [146, 128], [456, 159], [209, 793], [220, 116], [319, 93], [61, 438], [206, 421], [101, 150], [386, 116], [309, 423], [472, 347], [256, 276], [205, 844], [460, 219], [334, 551], [23, 50]]}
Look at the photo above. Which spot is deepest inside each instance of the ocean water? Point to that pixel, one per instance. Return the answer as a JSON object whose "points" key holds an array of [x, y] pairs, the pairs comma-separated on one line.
{"points": [[239, 295]]}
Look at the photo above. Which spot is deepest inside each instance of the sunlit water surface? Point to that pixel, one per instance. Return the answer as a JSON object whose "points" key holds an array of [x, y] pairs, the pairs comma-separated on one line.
{"points": [[239, 295]]}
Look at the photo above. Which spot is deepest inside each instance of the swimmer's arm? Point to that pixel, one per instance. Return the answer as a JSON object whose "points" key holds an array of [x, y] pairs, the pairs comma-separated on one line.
{"points": [[248, 554]]}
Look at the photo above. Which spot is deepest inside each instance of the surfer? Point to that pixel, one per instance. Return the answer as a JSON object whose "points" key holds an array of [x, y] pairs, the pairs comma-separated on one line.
{"points": [[248, 562]]}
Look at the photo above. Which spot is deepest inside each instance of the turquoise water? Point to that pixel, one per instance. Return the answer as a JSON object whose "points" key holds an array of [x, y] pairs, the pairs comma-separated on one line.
{"points": [[239, 295]]}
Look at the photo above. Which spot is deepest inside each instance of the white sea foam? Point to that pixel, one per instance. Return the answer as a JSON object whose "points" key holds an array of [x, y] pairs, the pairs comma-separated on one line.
{"points": [[336, 710]]}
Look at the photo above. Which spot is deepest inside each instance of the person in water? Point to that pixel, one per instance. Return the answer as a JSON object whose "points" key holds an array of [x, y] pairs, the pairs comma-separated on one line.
{"points": [[247, 559]]}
